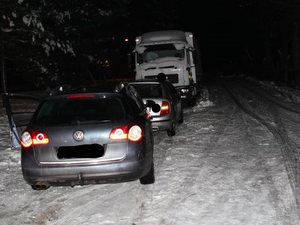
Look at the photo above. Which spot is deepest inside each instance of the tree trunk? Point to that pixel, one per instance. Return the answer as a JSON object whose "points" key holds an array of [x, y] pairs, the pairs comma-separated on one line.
{"points": [[3, 82], [268, 58], [284, 55]]}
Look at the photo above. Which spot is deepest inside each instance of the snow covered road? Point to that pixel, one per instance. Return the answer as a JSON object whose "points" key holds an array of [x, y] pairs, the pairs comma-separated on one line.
{"points": [[233, 161]]}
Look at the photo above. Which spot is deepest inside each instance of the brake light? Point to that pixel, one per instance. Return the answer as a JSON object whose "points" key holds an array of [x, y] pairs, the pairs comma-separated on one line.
{"points": [[119, 133], [26, 140], [29, 138], [148, 116], [132, 133], [165, 108], [135, 133], [81, 96]]}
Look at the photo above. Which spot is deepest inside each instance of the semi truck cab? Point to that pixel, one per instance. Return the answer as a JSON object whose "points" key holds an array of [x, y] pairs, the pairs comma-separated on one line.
{"points": [[173, 53]]}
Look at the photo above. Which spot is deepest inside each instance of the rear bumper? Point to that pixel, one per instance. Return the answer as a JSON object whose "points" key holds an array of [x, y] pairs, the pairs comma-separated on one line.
{"points": [[84, 175], [89, 173], [161, 125]]}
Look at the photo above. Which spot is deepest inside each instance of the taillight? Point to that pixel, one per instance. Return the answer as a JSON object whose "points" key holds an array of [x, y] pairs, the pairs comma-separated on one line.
{"points": [[132, 133], [165, 108], [119, 133], [29, 138], [81, 96], [26, 140], [148, 116], [135, 133]]}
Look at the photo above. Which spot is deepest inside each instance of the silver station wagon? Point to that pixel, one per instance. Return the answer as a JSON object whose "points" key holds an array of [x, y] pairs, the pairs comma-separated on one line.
{"points": [[88, 135]]}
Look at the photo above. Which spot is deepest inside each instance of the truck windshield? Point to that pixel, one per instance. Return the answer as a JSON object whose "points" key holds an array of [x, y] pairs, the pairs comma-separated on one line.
{"points": [[154, 52]]}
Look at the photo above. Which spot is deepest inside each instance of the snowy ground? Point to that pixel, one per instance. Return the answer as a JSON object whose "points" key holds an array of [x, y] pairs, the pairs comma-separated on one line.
{"points": [[234, 161]]}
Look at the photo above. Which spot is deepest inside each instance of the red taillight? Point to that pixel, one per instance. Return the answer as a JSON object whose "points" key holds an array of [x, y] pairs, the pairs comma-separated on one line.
{"points": [[148, 116], [135, 133], [132, 133], [119, 133], [40, 139], [26, 140], [29, 138], [165, 108], [81, 96]]}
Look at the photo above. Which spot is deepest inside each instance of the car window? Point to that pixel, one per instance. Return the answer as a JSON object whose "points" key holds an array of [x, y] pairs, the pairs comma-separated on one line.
{"points": [[172, 91], [148, 90], [136, 104], [80, 111]]}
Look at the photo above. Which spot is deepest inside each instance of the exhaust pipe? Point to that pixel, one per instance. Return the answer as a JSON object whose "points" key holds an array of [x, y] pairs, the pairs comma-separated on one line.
{"points": [[41, 185]]}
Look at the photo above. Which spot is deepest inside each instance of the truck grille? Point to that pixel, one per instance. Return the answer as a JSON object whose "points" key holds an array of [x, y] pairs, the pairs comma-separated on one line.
{"points": [[173, 78]]}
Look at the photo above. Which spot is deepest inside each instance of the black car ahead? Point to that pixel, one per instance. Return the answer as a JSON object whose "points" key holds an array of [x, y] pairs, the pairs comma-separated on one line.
{"points": [[164, 103], [88, 135]]}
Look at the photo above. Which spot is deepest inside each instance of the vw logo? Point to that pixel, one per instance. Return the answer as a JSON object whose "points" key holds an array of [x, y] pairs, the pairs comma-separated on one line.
{"points": [[78, 135]]}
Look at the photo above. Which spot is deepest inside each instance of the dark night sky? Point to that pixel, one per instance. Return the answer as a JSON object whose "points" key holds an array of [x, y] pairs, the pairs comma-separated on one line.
{"points": [[219, 25]]}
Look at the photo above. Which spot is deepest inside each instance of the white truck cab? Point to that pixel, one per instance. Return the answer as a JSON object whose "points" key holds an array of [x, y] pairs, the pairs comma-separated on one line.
{"points": [[174, 53]]}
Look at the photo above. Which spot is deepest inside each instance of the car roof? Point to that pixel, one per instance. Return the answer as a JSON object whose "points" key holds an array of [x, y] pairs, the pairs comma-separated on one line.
{"points": [[123, 88], [101, 88], [66, 89]]}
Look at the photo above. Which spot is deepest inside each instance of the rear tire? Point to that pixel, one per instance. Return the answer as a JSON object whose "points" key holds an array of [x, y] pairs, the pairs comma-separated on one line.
{"points": [[171, 131], [181, 116], [191, 102], [149, 178]]}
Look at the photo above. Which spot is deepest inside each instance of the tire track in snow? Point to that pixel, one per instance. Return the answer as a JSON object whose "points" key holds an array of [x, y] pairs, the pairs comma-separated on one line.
{"points": [[89, 202], [173, 155], [289, 154], [287, 106]]}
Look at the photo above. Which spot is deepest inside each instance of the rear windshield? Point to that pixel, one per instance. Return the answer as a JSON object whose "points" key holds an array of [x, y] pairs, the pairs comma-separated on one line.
{"points": [[81, 111], [148, 90]]}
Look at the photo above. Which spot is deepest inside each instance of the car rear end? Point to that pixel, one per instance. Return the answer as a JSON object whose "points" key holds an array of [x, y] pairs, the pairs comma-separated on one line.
{"points": [[158, 103], [85, 138], [162, 115]]}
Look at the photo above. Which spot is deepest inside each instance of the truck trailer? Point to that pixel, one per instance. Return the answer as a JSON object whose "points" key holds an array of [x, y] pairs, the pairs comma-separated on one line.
{"points": [[174, 53]]}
